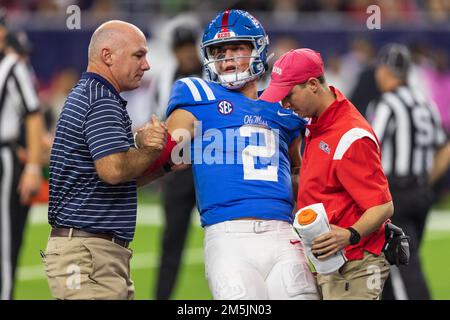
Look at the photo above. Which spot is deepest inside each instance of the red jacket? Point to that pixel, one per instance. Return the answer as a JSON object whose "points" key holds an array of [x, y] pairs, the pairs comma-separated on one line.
{"points": [[341, 168]]}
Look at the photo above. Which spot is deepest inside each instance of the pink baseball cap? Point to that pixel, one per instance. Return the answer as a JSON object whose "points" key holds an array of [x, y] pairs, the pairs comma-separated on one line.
{"points": [[292, 68]]}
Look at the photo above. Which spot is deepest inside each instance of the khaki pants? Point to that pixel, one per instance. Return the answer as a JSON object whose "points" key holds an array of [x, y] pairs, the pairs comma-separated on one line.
{"points": [[356, 280], [88, 268]]}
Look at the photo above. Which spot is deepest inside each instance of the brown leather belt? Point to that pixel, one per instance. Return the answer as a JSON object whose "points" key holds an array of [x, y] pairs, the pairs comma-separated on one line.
{"points": [[66, 232]]}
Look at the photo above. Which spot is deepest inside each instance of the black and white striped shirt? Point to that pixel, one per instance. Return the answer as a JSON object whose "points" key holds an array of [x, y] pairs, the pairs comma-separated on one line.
{"points": [[18, 96], [409, 130], [93, 123]]}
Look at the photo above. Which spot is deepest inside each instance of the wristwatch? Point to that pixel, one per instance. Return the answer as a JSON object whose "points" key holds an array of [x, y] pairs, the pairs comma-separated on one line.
{"points": [[355, 237]]}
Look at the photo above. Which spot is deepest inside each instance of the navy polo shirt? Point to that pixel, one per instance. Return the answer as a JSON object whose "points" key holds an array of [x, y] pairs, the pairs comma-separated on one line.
{"points": [[94, 123]]}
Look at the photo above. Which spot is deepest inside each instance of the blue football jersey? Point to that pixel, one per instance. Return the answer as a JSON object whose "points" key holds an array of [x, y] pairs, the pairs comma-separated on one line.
{"points": [[239, 154]]}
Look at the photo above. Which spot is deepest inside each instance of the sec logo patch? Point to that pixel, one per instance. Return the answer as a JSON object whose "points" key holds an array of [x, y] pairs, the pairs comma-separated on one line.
{"points": [[225, 107]]}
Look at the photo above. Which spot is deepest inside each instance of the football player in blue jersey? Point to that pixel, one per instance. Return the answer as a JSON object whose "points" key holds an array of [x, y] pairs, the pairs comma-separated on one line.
{"points": [[242, 152]]}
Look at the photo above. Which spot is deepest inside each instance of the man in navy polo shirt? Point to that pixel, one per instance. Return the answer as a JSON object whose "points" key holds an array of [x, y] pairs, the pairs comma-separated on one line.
{"points": [[93, 167]]}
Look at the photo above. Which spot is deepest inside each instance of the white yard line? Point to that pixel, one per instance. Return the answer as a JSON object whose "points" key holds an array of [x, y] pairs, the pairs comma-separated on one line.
{"points": [[148, 215], [438, 220], [152, 215]]}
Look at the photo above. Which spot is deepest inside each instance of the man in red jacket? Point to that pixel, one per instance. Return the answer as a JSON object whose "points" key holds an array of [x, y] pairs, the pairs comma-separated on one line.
{"points": [[341, 168]]}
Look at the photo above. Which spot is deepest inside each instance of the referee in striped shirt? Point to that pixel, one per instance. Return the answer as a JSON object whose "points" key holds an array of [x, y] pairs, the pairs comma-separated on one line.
{"points": [[19, 105], [93, 171], [413, 153]]}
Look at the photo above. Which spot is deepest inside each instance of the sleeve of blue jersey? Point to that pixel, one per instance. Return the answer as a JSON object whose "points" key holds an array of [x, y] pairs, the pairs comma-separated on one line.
{"points": [[299, 130], [189, 92]]}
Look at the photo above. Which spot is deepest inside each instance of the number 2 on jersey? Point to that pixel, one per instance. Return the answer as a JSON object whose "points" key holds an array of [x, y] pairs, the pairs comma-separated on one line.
{"points": [[270, 173]]}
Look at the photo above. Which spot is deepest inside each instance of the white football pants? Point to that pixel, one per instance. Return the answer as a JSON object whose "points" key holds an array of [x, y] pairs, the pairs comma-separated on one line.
{"points": [[257, 259]]}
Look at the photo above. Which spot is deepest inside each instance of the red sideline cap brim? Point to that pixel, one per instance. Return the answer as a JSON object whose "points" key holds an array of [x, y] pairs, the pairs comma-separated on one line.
{"points": [[274, 93]]}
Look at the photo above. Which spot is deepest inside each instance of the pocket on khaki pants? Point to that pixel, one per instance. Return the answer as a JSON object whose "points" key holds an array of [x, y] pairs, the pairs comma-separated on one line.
{"points": [[110, 269], [68, 266], [357, 279]]}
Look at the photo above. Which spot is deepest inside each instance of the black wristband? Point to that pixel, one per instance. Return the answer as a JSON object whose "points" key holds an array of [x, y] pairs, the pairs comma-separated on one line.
{"points": [[355, 237]]}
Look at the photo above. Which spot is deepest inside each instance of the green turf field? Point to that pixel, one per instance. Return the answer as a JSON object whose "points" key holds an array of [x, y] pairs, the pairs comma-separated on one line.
{"points": [[192, 284]]}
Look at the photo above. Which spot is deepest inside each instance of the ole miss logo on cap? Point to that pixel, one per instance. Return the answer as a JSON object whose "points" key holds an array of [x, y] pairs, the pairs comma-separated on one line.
{"points": [[277, 70]]}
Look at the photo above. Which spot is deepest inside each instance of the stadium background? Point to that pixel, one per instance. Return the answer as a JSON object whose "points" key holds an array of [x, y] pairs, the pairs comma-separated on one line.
{"points": [[336, 28]]}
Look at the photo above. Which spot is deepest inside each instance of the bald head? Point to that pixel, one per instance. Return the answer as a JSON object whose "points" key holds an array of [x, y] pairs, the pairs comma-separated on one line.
{"points": [[118, 52], [112, 35]]}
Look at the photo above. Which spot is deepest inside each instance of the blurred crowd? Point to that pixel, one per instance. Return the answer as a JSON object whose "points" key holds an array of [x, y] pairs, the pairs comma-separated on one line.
{"points": [[431, 11]]}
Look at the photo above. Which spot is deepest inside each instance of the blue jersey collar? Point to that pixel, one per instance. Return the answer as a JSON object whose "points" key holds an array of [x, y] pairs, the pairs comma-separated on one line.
{"points": [[99, 78]]}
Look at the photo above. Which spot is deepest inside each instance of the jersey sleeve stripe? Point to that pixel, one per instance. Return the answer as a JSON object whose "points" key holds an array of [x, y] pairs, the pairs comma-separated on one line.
{"points": [[194, 91], [209, 93], [347, 140]]}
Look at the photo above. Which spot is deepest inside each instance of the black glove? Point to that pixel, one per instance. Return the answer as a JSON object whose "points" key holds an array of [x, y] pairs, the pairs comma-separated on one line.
{"points": [[396, 248]]}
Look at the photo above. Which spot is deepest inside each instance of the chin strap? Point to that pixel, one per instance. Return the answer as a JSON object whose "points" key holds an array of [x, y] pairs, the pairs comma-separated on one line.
{"points": [[235, 80]]}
